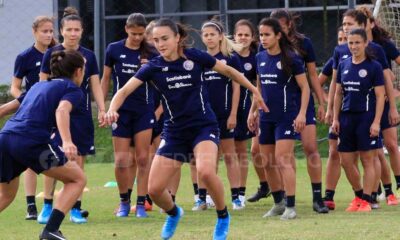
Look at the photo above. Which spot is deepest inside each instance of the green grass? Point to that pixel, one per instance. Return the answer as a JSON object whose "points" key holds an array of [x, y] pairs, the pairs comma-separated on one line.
{"points": [[246, 224]]}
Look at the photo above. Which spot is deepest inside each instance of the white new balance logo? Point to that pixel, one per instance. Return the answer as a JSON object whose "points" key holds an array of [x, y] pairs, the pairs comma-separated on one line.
{"points": [[164, 69], [212, 135], [373, 142], [288, 132], [262, 64], [122, 56]]}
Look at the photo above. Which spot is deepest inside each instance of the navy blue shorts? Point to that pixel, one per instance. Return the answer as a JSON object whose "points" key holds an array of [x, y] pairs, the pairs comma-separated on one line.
{"points": [[131, 122], [270, 132], [179, 145], [225, 133], [242, 132], [331, 135], [17, 153], [354, 132], [310, 114], [385, 118]]}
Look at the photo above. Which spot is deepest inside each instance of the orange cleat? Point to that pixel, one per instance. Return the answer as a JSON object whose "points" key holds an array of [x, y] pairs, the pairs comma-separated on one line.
{"points": [[330, 204], [147, 206], [364, 207], [391, 200], [354, 205]]}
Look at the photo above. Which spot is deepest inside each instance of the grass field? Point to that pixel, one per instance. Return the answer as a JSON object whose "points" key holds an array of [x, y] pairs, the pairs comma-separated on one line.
{"points": [[246, 224]]}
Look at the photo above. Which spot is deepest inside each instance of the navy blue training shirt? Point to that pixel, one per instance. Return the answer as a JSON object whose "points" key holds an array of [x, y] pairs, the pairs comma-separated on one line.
{"points": [[27, 66], [390, 50], [249, 66]]}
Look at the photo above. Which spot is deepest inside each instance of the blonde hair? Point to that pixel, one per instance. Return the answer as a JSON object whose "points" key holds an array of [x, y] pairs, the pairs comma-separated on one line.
{"points": [[227, 46]]}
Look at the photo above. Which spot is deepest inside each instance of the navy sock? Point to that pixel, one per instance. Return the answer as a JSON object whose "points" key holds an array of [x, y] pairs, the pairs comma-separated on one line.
{"points": [[149, 199], [77, 205], [55, 220], [173, 197], [290, 201], [124, 197], [374, 196], [48, 201], [367, 198], [397, 181], [195, 188], [264, 186], [129, 193], [358, 193], [388, 189], [379, 189], [222, 213], [202, 194], [329, 194], [278, 196], [316, 189], [234, 193], [173, 212], [140, 200], [30, 200], [242, 191]]}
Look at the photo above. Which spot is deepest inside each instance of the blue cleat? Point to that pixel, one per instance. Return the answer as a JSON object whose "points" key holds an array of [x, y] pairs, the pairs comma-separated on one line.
{"points": [[44, 215], [170, 225], [75, 216], [222, 228], [141, 211], [124, 209]]}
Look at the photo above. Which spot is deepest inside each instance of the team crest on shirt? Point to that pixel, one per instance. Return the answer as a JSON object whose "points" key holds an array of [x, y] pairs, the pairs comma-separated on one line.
{"points": [[248, 66], [188, 65], [279, 65], [362, 73]]}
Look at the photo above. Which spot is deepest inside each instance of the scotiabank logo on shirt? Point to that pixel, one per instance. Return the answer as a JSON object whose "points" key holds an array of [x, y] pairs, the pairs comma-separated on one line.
{"points": [[179, 85]]}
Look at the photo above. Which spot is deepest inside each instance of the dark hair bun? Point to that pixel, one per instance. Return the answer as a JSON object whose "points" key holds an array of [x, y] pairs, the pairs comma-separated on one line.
{"points": [[70, 11]]}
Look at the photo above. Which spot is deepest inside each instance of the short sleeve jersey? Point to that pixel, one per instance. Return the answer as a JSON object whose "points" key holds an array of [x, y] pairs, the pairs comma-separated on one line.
{"points": [[390, 50], [249, 68], [27, 66]]}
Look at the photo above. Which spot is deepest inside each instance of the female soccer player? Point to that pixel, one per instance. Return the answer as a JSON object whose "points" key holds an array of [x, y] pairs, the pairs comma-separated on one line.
{"points": [[81, 119], [224, 96], [280, 73], [191, 127], [123, 59], [245, 34], [333, 168], [27, 68], [25, 138], [358, 107], [309, 134]]}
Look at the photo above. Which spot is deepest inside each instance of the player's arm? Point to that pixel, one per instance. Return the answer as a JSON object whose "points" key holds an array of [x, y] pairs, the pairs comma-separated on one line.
{"points": [[105, 81], [337, 103], [16, 85], [9, 108], [63, 123]]}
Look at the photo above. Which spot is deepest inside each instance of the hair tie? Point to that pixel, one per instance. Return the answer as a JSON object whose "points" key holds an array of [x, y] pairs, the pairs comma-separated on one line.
{"points": [[59, 58], [207, 24]]}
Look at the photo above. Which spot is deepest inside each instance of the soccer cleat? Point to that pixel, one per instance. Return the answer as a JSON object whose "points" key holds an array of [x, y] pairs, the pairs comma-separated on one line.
{"points": [[44, 215], [319, 207], [200, 205], [330, 204], [289, 213], [374, 205], [123, 209], [141, 211], [84, 213], [147, 206], [75, 216], [171, 222], [364, 207], [276, 210], [46, 235], [31, 212], [209, 201], [243, 200], [258, 195], [196, 197], [237, 204], [222, 228], [381, 197], [354, 205], [392, 200]]}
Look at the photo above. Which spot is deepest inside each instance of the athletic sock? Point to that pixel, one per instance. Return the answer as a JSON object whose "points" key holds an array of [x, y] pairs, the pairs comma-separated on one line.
{"points": [[329, 194], [129, 193], [358, 193], [397, 181], [124, 197], [367, 198], [196, 188], [173, 212], [202, 194], [234, 193], [222, 213], [264, 186], [77, 205], [148, 199], [242, 191], [277, 196], [55, 220], [173, 197], [388, 189], [316, 189], [290, 201], [140, 200], [374, 196], [48, 201], [379, 189], [30, 200]]}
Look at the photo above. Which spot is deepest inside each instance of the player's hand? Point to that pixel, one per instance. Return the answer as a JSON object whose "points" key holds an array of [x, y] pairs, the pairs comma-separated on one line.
{"points": [[260, 101], [232, 121], [299, 123], [321, 113], [111, 117], [144, 61], [70, 150], [335, 127], [374, 129], [101, 117], [329, 117], [253, 122], [393, 116]]}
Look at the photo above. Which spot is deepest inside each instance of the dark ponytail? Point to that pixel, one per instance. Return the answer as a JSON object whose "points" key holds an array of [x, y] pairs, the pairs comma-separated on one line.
{"points": [[287, 48], [64, 63], [363, 34]]}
